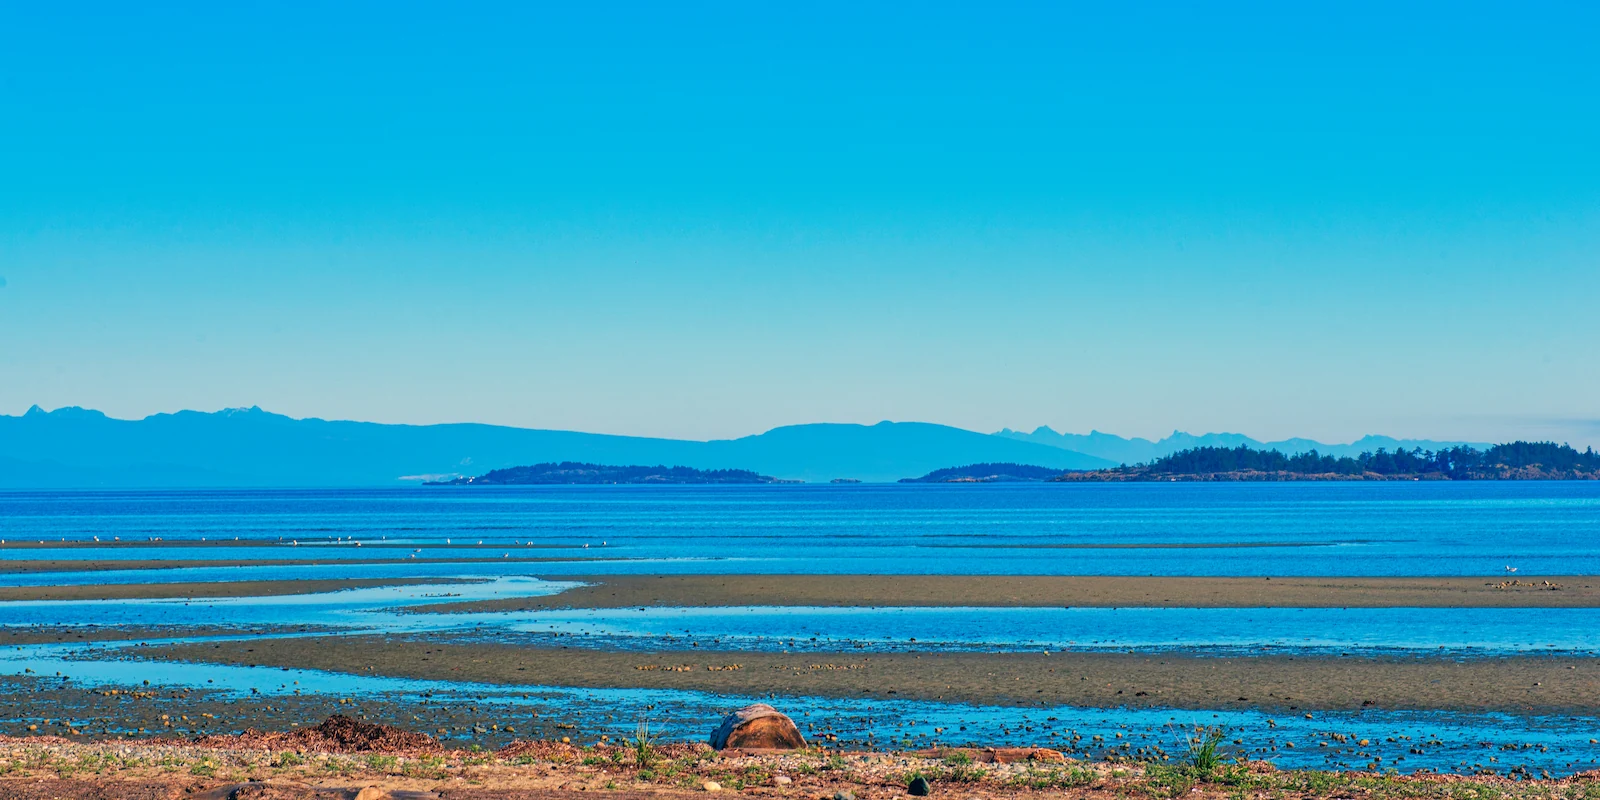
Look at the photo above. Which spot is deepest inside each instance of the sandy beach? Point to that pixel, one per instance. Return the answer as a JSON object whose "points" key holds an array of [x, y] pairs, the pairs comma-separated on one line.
{"points": [[150, 591], [1533, 684], [28, 566], [188, 544], [991, 591]]}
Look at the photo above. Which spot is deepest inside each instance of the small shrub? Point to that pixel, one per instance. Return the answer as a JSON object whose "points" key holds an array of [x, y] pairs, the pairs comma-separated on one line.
{"points": [[646, 751], [1205, 751]]}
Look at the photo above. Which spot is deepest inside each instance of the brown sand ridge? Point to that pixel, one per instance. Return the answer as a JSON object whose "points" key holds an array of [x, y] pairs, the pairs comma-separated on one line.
{"points": [[31, 566], [1529, 684], [633, 591], [143, 591], [63, 634]]}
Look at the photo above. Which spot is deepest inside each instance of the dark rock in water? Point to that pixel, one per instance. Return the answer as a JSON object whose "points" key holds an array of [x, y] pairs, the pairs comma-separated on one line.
{"points": [[919, 787], [757, 727]]}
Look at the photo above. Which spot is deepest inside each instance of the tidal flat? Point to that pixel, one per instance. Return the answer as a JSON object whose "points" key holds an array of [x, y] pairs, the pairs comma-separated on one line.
{"points": [[208, 589], [1044, 591], [1280, 684], [1364, 629]]}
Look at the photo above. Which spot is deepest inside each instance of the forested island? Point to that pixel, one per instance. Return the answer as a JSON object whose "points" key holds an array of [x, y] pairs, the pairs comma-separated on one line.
{"points": [[987, 473], [572, 472], [1514, 461]]}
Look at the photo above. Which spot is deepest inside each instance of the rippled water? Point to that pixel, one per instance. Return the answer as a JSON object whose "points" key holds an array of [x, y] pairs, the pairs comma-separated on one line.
{"points": [[1400, 528]]}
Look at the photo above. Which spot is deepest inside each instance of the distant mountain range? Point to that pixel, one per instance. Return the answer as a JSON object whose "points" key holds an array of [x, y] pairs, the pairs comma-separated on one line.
{"points": [[1139, 451], [74, 447]]}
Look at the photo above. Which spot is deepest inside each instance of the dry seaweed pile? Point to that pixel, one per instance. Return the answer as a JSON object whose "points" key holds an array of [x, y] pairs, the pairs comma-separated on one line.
{"points": [[336, 734]]}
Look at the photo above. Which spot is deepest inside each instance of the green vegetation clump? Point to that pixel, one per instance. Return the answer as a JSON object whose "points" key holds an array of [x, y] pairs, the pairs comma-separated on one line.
{"points": [[1502, 461], [987, 473], [574, 472]]}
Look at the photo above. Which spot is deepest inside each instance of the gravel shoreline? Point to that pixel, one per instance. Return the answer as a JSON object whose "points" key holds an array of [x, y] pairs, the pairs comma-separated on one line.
{"points": [[266, 767]]}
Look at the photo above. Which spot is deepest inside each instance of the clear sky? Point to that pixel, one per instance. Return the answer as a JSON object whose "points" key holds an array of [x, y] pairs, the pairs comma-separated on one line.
{"points": [[690, 220]]}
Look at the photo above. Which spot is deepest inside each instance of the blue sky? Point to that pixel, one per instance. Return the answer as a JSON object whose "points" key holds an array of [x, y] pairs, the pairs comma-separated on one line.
{"points": [[705, 220]]}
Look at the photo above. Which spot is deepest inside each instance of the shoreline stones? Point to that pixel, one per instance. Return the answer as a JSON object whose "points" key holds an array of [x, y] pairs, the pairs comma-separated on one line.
{"points": [[757, 727]]}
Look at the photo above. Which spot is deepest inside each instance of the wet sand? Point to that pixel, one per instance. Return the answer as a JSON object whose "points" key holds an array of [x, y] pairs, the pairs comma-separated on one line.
{"points": [[1532, 684], [106, 565], [148, 591], [1044, 591], [77, 634], [307, 541]]}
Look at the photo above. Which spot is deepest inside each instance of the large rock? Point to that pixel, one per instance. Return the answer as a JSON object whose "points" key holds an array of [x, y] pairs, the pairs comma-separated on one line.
{"points": [[757, 727]]}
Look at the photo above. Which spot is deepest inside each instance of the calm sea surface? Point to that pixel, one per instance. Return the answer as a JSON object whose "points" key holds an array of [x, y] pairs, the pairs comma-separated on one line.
{"points": [[1130, 529]]}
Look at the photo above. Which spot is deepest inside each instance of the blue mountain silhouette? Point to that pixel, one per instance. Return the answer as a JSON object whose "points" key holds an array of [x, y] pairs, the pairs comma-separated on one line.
{"points": [[251, 447], [1139, 451]]}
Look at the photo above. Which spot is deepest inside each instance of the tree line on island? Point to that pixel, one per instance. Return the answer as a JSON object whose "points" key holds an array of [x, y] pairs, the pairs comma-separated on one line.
{"points": [[573, 472], [1513, 461]]}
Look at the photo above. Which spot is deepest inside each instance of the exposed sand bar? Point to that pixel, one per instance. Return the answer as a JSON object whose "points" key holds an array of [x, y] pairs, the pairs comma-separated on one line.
{"points": [[304, 541], [142, 591], [75, 634], [106, 565], [1532, 684], [624, 591]]}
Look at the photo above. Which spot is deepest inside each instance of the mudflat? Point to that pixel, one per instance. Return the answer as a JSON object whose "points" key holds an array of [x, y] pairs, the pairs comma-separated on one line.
{"points": [[106, 565], [989, 591], [1530, 684], [116, 544], [71, 634], [145, 591]]}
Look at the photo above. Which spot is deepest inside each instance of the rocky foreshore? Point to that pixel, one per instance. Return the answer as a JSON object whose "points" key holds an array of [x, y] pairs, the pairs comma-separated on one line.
{"points": [[350, 760]]}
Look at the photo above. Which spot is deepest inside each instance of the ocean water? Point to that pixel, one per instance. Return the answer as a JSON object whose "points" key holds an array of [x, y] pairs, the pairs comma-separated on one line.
{"points": [[1399, 528]]}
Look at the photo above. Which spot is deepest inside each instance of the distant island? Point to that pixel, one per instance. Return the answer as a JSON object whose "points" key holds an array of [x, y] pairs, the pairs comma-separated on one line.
{"points": [[1501, 462], [573, 472], [987, 473]]}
